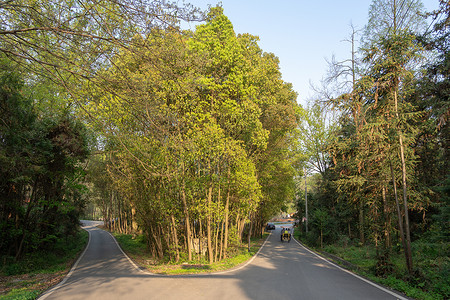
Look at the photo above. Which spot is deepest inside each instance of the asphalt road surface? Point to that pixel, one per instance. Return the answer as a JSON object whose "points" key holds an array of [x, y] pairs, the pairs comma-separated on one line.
{"points": [[279, 271]]}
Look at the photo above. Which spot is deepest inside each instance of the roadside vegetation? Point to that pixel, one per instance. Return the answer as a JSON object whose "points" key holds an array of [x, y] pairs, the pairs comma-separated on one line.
{"points": [[377, 184], [186, 137], [38, 271], [430, 282], [135, 247], [190, 140]]}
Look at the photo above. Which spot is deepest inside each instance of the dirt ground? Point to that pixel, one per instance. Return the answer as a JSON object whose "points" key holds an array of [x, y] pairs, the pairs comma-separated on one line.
{"points": [[37, 282]]}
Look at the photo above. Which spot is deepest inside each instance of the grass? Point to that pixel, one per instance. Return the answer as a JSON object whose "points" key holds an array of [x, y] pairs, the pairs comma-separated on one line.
{"points": [[35, 273], [362, 257], [431, 278], [136, 249], [21, 294]]}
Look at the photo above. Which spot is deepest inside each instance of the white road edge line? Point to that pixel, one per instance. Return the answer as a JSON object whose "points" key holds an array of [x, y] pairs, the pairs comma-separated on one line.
{"points": [[245, 264], [353, 274], [49, 292], [129, 259], [59, 285]]}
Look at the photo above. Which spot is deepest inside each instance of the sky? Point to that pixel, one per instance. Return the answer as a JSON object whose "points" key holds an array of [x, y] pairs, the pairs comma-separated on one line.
{"points": [[301, 33]]}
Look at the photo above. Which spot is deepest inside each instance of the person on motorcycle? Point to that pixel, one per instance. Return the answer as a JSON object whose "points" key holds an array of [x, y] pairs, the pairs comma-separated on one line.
{"points": [[286, 233]]}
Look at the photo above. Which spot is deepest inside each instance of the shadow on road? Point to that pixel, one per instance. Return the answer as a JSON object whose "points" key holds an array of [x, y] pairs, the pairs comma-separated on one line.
{"points": [[280, 271]]}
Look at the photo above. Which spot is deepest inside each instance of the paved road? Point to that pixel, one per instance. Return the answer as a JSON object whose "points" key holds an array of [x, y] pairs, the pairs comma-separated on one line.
{"points": [[279, 271]]}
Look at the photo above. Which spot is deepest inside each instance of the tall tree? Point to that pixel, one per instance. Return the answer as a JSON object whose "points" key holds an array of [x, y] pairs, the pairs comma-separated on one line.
{"points": [[387, 17]]}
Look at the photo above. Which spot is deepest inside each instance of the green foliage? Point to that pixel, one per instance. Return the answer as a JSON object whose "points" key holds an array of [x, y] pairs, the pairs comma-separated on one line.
{"points": [[316, 135], [45, 261], [191, 127], [197, 144], [388, 158], [40, 195], [68, 42], [432, 265], [21, 294]]}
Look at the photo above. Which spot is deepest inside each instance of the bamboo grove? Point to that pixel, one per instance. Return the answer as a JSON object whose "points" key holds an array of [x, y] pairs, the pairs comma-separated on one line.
{"points": [[191, 133], [198, 139]]}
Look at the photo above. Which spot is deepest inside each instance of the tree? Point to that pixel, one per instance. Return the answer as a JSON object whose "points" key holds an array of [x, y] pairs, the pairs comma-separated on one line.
{"points": [[320, 218], [374, 112], [316, 133], [394, 83], [41, 191], [189, 134], [349, 103], [391, 17], [63, 39], [431, 98]]}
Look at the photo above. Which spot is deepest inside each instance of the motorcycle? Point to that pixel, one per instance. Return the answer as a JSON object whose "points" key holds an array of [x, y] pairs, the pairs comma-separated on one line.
{"points": [[285, 235]]}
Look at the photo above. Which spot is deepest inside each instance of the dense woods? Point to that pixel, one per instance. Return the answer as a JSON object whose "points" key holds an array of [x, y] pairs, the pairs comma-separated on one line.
{"points": [[41, 164], [387, 148], [190, 137]]}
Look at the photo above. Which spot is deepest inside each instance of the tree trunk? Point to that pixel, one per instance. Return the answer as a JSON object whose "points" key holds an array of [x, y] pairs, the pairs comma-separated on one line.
{"points": [[114, 213], [361, 223], [221, 240], [349, 230], [208, 224], [400, 218], [200, 239], [408, 251], [133, 219], [387, 220], [186, 214], [216, 243], [158, 244], [306, 204], [250, 233], [227, 207], [321, 238], [25, 221], [175, 238]]}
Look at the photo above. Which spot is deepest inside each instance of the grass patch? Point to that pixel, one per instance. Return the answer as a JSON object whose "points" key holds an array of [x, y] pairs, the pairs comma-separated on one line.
{"points": [[35, 273], [405, 287], [21, 294], [362, 257], [137, 250]]}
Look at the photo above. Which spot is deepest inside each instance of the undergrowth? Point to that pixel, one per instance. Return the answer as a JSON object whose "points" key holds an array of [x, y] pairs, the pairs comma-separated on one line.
{"points": [[136, 248], [28, 277], [431, 277]]}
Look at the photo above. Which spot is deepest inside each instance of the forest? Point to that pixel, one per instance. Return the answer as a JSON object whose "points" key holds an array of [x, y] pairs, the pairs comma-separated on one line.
{"points": [[377, 142], [112, 110]]}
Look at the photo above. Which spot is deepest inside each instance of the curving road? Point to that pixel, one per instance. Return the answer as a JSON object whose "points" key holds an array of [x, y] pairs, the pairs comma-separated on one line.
{"points": [[279, 271]]}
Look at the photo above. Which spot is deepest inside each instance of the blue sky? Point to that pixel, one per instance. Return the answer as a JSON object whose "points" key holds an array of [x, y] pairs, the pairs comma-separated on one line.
{"points": [[302, 33]]}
